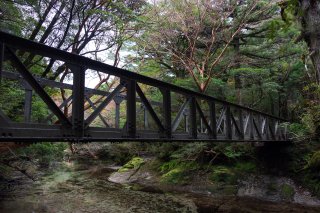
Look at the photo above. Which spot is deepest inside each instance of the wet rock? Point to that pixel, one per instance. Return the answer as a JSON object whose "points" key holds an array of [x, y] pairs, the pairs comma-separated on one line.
{"points": [[276, 189]]}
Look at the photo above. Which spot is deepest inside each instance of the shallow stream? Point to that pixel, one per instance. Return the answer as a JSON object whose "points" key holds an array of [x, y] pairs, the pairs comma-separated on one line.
{"points": [[84, 187]]}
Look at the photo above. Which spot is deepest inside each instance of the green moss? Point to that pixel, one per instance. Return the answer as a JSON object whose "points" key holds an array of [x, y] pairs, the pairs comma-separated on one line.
{"points": [[314, 162], [134, 163], [177, 172], [287, 192], [223, 174], [310, 179], [245, 167], [176, 176]]}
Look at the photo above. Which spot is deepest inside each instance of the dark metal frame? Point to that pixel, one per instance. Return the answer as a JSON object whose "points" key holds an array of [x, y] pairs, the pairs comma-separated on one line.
{"points": [[227, 123]]}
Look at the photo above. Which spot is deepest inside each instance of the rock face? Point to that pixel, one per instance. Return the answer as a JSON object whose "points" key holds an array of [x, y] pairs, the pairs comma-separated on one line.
{"points": [[277, 189], [130, 172]]}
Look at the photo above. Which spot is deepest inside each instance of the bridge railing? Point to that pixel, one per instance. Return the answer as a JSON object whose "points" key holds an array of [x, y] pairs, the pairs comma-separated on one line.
{"points": [[177, 114]]}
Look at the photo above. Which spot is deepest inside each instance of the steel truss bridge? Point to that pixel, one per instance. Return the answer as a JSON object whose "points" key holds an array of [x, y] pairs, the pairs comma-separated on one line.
{"points": [[125, 113]]}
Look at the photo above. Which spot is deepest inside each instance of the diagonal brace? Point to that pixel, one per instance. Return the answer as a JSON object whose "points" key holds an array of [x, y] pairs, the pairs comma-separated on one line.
{"points": [[256, 128], [103, 104], [64, 103], [38, 89], [223, 112], [149, 108], [235, 124], [95, 108], [203, 118], [178, 118]]}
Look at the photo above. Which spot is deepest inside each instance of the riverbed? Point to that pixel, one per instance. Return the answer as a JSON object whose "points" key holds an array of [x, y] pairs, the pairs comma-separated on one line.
{"points": [[84, 187]]}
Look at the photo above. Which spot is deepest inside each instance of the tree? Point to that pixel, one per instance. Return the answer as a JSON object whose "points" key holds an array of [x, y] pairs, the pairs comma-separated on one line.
{"points": [[90, 28], [195, 36], [307, 14]]}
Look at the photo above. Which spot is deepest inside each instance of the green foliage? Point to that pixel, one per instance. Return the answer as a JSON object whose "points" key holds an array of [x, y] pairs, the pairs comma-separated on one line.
{"points": [[229, 174], [305, 164], [45, 152], [177, 172], [298, 129], [10, 18], [134, 163], [232, 151], [11, 100], [245, 167], [163, 151], [175, 176], [314, 161], [309, 126], [189, 150], [223, 174]]}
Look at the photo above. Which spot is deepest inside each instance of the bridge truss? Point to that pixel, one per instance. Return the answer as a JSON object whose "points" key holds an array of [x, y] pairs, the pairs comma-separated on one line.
{"points": [[138, 108]]}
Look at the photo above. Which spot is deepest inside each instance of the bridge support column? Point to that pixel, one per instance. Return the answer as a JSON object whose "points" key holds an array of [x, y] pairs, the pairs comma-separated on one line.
{"points": [[1, 59], [251, 126], [193, 118], [241, 126], [228, 123], [78, 99], [131, 108], [117, 101], [145, 117], [27, 102], [213, 120], [167, 112], [4, 120]]}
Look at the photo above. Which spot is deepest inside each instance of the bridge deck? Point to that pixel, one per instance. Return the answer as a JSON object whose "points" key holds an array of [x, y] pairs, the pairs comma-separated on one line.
{"points": [[180, 115]]}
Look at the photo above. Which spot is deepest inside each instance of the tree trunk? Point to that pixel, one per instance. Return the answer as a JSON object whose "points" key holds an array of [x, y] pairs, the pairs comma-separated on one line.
{"points": [[311, 33]]}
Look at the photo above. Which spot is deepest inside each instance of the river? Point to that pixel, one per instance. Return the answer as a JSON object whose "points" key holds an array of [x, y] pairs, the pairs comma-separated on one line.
{"points": [[84, 187]]}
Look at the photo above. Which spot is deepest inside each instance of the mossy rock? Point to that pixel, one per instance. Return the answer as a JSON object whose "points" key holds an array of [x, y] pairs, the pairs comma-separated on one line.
{"points": [[287, 192], [134, 163]]}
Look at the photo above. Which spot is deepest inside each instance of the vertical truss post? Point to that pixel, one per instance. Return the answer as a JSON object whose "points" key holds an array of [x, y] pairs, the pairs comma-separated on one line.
{"points": [[131, 108], [186, 120], [213, 120], [4, 120], [285, 132], [228, 123], [27, 102], [241, 126], [251, 126], [167, 112], [78, 99], [145, 117], [1, 59], [270, 126], [193, 118], [266, 128], [117, 101]]}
